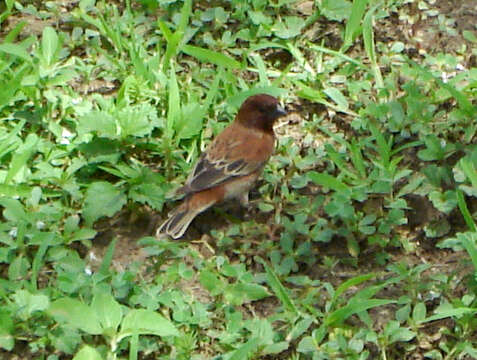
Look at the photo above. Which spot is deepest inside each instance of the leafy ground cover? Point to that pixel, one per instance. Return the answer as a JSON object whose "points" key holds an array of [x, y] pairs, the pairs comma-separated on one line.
{"points": [[361, 241]]}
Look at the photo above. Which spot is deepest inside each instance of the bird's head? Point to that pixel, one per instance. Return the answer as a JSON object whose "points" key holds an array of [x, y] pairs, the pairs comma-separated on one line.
{"points": [[260, 111]]}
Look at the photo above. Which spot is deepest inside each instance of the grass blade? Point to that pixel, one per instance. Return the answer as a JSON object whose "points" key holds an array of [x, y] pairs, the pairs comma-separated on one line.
{"points": [[353, 308], [210, 56], [465, 211], [337, 54], [462, 100], [174, 104], [351, 282], [353, 25], [469, 241], [369, 45], [277, 287], [449, 313]]}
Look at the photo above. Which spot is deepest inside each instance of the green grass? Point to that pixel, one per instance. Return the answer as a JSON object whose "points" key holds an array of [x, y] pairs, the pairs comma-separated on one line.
{"points": [[361, 241]]}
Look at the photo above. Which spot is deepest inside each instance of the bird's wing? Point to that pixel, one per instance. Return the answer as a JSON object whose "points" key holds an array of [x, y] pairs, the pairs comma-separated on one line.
{"points": [[235, 152]]}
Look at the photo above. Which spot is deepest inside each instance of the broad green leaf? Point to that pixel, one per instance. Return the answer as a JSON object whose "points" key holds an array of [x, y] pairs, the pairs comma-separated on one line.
{"points": [[403, 313], [240, 293], [328, 181], [444, 202], [469, 36], [62, 76], [289, 28], [275, 348], [49, 44], [137, 120], [337, 96], [244, 351], [299, 328], [76, 314], [14, 210], [147, 193], [190, 122], [9, 142], [435, 149], [147, 322], [28, 303], [88, 353], [108, 311], [307, 345], [15, 50], [211, 282], [19, 267], [395, 333], [7, 341], [419, 312], [338, 10], [102, 199], [21, 156], [9, 89], [83, 234], [98, 122]]}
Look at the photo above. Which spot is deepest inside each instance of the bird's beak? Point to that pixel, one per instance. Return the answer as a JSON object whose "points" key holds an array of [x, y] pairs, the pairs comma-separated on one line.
{"points": [[279, 111]]}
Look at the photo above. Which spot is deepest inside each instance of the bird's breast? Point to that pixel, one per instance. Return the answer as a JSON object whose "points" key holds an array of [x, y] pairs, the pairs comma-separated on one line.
{"points": [[236, 187]]}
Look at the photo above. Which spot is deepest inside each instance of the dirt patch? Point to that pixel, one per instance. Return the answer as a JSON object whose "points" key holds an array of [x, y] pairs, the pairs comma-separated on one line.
{"points": [[432, 27], [127, 228]]}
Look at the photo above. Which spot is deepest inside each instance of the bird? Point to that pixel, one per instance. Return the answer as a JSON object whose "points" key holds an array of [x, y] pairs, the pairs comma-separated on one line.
{"points": [[230, 165]]}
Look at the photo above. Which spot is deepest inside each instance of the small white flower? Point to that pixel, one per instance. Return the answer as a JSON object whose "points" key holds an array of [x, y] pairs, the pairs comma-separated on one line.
{"points": [[444, 77], [92, 256], [88, 271], [40, 224], [65, 136], [13, 232], [460, 67]]}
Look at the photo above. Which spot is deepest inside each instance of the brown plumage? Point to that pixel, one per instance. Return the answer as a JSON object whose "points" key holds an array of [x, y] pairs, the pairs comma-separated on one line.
{"points": [[230, 165]]}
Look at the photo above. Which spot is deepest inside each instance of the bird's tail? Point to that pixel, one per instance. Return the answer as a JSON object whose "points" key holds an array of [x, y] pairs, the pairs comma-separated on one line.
{"points": [[178, 222], [181, 217]]}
